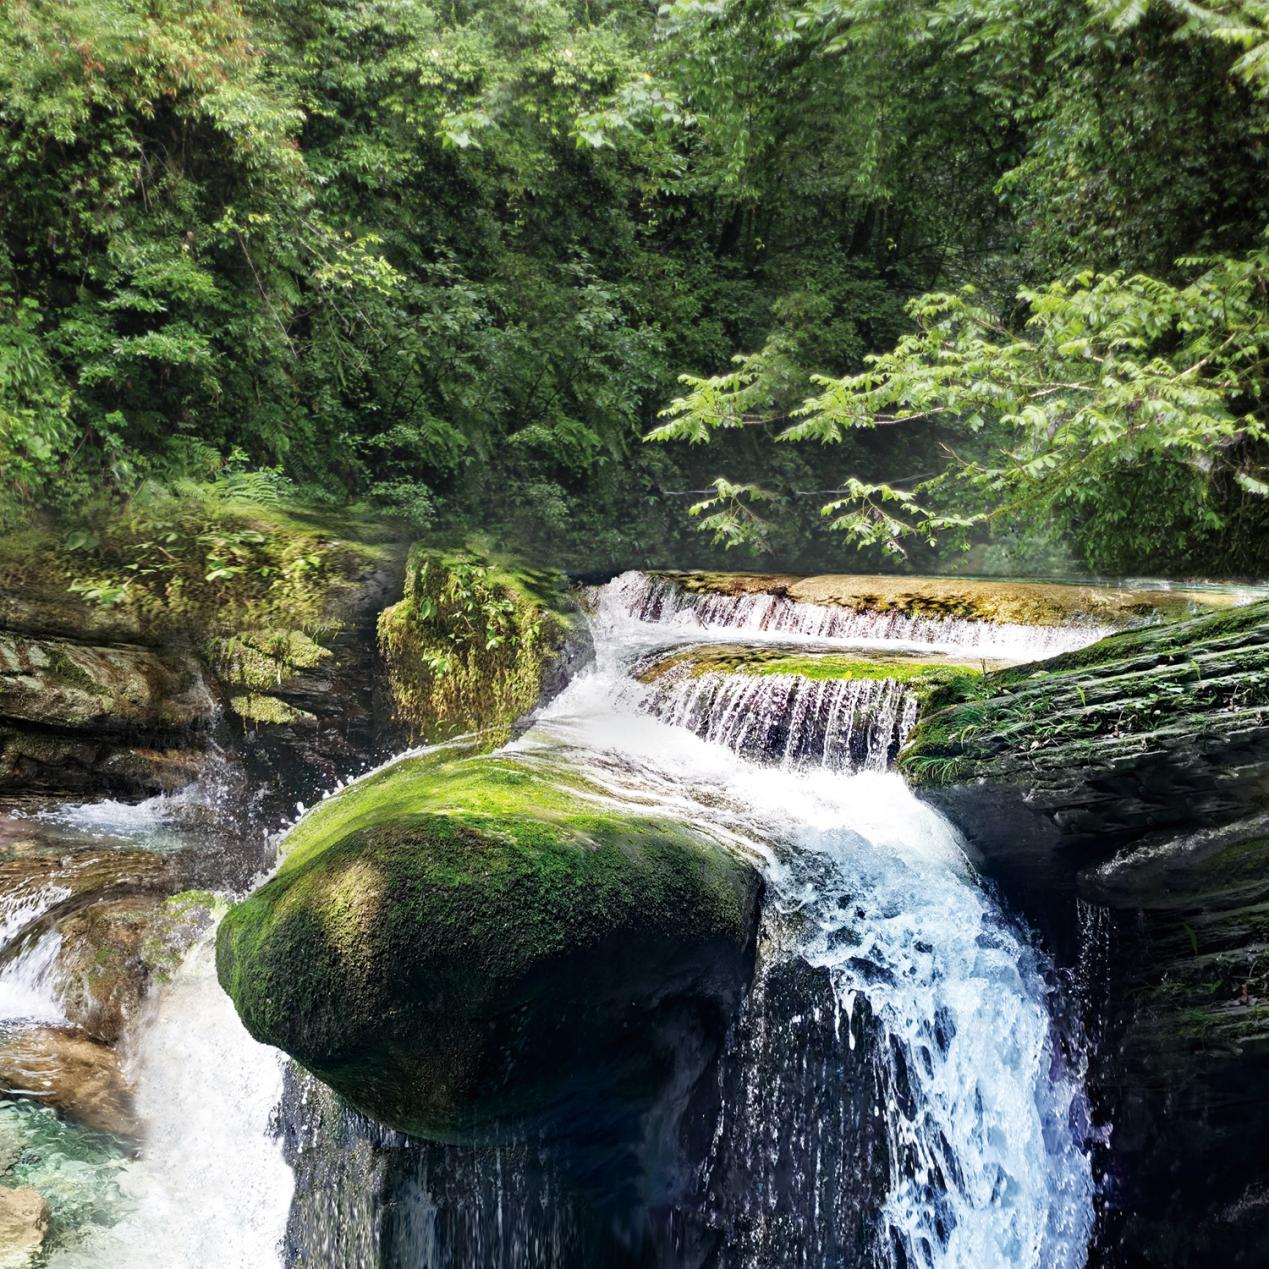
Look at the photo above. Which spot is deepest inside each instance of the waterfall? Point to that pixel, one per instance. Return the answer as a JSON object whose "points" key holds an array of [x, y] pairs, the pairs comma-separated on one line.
{"points": [[208, 1186], [979, 1125], [895, 1094], [859, 724], [636, 605]]}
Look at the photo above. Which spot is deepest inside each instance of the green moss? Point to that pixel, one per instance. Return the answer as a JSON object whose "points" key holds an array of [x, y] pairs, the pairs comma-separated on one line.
{"points": [[258, 707], [467, 647], [261, 660], [190, 563], [922, 675], [65, 670], [1119, 696]]}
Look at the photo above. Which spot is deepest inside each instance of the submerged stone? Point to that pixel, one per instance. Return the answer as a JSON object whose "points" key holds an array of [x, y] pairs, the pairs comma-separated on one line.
{"points": [[24, 1221], [475, 949], [71, 1073]]}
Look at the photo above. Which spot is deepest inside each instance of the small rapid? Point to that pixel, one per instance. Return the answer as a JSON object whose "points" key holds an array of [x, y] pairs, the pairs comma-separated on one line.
{"points": [[857, 724], [203, 1183], [646, 607]]}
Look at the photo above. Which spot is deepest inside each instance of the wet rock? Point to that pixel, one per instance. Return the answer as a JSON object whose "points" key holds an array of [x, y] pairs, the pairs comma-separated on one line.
{"points": [[60, 683], [34, 760], [970, 599], [75, 1075], [470, 951], [111, 951], [74, 880], [101, 973], [1145, 730], [24, 1221], [1117, 796]]}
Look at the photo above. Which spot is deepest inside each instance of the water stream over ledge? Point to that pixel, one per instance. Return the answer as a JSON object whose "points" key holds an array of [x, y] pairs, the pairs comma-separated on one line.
{"points": [[895, 1094]]}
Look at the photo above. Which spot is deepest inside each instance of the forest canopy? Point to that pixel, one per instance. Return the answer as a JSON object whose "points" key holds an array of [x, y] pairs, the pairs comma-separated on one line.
{"points": [[998, 267]]}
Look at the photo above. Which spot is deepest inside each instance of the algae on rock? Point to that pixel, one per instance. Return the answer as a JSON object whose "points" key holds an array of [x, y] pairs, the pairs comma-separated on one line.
{"points": [[1135, 696]]}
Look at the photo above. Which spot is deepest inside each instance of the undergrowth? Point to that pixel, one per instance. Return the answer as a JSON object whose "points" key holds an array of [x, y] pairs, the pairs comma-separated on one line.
{"points": [[467, 646]]}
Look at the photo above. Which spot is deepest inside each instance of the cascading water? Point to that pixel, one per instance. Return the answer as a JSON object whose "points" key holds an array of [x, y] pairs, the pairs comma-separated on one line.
{"points": [[894, 1094], [646, 605], [857, 723], [982, 1110], [210, 1187]]}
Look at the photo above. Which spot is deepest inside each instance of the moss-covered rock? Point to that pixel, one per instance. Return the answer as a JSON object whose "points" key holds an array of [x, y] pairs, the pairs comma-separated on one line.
{"points": [[126, 639], [1143, 700], [923, 674], [111, 950], [467, 948], [96, 689], [473, 644], [1117, 795]]}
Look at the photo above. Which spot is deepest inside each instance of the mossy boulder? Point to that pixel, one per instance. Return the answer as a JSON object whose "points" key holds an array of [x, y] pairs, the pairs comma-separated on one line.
{"points": [[474, 948]]}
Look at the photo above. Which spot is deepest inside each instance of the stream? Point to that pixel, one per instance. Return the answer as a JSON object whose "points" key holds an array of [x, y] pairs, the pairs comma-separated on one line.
{"points": [[901, 1089]]}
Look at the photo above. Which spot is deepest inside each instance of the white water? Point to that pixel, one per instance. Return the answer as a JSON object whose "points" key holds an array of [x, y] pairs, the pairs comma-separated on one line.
{"points": [[210, 1189], [26, 980], [837, 723], [984, 1116], [645, 607]]}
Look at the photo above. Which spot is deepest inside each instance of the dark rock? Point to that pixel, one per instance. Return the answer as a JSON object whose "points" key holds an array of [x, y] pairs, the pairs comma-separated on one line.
{"points": [[34, 759], [1120, 792]]}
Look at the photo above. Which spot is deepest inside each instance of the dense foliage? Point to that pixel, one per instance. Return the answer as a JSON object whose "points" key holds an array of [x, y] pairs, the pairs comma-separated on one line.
{"points": [[451, 261]]}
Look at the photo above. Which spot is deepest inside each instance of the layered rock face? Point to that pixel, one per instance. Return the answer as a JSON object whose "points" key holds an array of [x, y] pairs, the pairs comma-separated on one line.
{"points": [[1119, 796], [474, 950], [88, 716], [130, 700]]}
